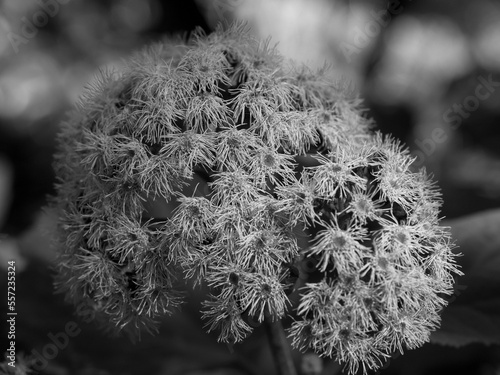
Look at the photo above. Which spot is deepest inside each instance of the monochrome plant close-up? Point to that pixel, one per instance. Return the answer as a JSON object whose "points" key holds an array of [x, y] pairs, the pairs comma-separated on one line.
{"points": [[218, 163]]}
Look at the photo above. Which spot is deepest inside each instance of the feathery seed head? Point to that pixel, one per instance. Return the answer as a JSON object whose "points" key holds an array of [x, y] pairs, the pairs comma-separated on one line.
{"points": [[217, 158]]}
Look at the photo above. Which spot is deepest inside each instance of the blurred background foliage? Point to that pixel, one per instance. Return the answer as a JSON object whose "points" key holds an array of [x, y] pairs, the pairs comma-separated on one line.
{"points": [[415, 64]]}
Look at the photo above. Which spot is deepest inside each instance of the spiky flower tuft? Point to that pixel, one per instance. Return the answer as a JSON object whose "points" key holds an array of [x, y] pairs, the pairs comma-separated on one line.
{"points": [[218, 158]]}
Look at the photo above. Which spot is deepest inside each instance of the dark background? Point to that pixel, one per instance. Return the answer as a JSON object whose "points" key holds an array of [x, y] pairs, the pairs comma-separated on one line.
{"points": [[426, 59]]}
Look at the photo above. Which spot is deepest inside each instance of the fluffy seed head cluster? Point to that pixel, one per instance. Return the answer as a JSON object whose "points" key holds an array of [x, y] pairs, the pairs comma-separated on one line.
{"points": [[217, 158]]}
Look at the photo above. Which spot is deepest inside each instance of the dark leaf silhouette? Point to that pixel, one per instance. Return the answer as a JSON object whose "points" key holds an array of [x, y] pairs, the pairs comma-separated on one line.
{"points": [[473, 315]]}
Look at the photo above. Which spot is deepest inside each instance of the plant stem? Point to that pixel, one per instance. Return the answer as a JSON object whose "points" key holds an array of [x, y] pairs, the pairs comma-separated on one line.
{"points": [[280, 347]]}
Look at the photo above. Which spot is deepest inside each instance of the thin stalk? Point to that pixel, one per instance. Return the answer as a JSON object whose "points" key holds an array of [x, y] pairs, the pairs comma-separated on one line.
{"points": [[280, 347]]}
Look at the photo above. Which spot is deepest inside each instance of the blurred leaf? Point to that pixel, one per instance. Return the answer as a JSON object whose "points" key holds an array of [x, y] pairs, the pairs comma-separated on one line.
{"points": [[473, 315]]}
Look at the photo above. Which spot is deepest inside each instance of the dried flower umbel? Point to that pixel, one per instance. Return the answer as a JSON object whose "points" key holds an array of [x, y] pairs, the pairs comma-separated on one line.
{"points": [[248, 157]]}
